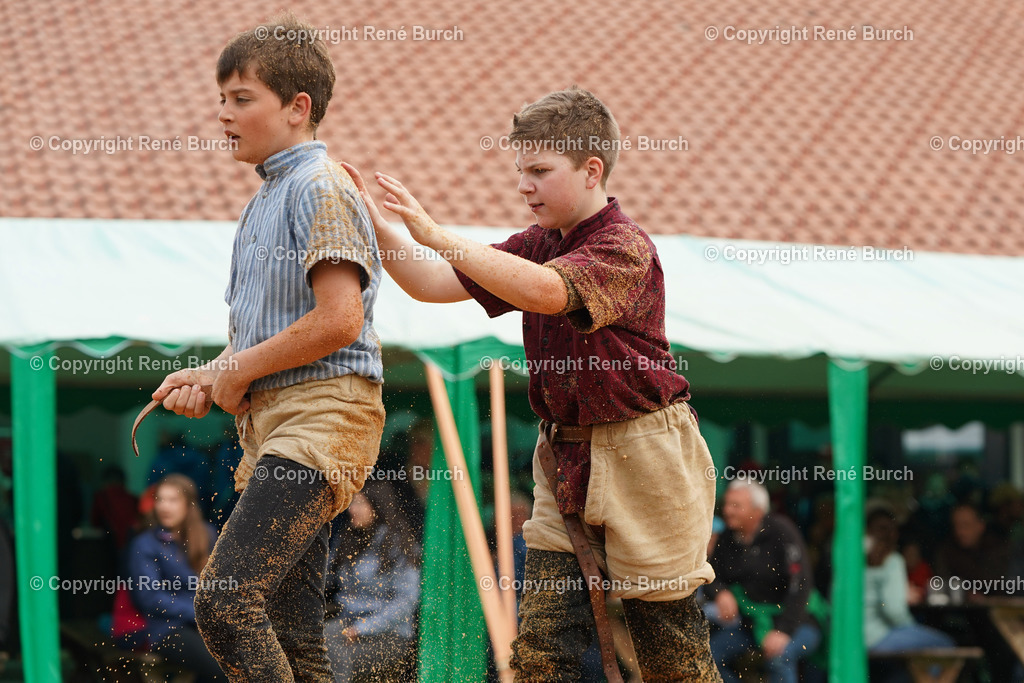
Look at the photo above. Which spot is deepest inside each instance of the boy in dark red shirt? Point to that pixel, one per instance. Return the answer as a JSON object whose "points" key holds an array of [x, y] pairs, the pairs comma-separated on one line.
{"points": [[630, 459]]}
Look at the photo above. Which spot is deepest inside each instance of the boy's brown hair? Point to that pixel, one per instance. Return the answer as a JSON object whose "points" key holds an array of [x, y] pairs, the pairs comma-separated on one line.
{"points": [[569, 121], [288, 56]]}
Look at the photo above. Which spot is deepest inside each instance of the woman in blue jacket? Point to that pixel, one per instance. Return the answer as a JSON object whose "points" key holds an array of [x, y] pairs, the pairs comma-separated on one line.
{"points": [[165, 561]]}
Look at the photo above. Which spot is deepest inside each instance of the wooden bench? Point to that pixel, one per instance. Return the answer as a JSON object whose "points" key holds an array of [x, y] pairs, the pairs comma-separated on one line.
{"points": [[950, 661]]}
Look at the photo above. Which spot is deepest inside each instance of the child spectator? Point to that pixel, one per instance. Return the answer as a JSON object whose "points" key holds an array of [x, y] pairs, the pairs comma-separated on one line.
{"points": [[164, 562]]}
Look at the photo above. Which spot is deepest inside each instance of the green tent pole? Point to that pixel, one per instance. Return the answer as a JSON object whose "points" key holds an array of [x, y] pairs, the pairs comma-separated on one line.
{"points": [[33, 416], [848, 409], [453, 635]]}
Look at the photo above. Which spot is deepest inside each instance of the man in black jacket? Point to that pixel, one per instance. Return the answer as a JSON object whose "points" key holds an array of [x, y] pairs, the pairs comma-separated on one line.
{"points": [[762, 588]]}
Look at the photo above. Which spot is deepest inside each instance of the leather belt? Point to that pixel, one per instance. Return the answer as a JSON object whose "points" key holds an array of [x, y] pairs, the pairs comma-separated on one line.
{"points": [[153, 405], [570, 433], [584, 555]]}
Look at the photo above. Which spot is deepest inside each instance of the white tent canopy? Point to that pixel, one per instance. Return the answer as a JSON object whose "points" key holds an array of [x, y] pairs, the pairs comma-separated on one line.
{"points": [[162, 281]]}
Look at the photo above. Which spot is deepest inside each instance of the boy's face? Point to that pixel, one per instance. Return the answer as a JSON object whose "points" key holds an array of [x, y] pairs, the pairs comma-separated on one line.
{"points": [[255, 118], [556, 191]]}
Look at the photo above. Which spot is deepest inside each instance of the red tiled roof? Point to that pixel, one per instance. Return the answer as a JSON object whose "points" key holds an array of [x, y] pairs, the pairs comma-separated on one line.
{"points": [[814, 141]]}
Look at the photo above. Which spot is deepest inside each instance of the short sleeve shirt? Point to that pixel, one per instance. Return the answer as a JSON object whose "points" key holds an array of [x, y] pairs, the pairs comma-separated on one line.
{"points": [[606, 358], [307, 211]]}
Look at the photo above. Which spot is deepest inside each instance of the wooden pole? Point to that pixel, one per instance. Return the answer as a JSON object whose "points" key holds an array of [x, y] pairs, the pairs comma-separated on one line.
{"points": [[472, 526], [502, 495]]}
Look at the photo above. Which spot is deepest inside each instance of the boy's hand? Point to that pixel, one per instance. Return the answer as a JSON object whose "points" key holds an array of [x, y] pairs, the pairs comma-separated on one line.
{"points": [[375, 215], [229, 390], [421, 226], [182, 394]]}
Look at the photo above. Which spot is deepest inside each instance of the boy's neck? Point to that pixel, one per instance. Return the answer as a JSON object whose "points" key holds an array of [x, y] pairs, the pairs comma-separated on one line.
{"points": [[297, 140], [595, 203]]}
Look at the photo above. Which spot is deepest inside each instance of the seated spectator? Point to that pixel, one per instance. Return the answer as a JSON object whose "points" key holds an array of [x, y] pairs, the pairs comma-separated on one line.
{"points": [[115, 508], [888, 625], [973, 553], [165, 561], [763, 576], [373, 590], [972, 556], [919, 572], [1007, 504]]}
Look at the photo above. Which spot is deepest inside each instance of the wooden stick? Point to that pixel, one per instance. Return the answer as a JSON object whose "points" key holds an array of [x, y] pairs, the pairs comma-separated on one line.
{"points": [[472, 526], [502, 494]]}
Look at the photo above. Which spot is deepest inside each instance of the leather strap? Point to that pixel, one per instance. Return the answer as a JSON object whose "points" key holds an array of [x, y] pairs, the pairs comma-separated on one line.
{"points": [[153, 405], [571, 434], [588, 564]]}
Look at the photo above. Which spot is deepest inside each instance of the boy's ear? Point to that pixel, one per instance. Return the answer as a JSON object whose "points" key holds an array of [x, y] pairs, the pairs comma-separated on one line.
{"points": [[299, 109], [595, 169]]}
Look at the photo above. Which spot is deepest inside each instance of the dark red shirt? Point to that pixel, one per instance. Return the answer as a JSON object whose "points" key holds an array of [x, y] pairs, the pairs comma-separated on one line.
{"points": [[606, 357]]}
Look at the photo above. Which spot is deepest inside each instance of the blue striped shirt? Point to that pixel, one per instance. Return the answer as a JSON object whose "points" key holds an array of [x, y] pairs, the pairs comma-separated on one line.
{"points": [[308, 210]]}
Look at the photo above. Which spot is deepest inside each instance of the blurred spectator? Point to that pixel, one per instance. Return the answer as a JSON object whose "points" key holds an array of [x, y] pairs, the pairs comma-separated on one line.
{"points": [[888, 625], [928, 524], [114, 508], [373, 590], [973, 553], [415, 449], [763, 576], [177, 457], [1007, 504], [919, 573], [819, 543], [165, 561]]}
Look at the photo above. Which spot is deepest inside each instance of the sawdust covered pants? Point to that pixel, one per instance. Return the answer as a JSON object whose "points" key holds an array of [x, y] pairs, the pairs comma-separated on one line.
{"points": [[652, 488]]}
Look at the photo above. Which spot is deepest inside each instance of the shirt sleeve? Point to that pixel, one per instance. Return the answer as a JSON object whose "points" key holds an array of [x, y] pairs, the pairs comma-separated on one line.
{"points": [[518, 245], [331, 223], [603, 277]]}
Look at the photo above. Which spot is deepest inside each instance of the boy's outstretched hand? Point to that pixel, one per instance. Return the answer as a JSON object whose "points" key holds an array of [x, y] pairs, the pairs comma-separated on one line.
{"points": [[422, 227], [375, 215]]}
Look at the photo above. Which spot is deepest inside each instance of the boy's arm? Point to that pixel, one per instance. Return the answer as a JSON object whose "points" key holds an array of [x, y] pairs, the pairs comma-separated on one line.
{"points": [[522, 283], [429, 280], [526, 285], [334, 323]]}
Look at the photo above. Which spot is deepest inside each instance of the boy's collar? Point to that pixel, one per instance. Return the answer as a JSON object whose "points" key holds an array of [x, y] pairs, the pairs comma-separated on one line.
{"points": [[599, 219], [285, 159]]}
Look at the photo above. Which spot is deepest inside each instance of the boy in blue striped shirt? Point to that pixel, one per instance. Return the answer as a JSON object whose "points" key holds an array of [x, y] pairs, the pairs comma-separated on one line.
{"points": [[302, 370]]}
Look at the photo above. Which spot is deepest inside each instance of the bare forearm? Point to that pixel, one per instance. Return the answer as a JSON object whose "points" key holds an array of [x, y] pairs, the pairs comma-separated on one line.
{"points": [[524, 284], [308, 339], [430, 280]]}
